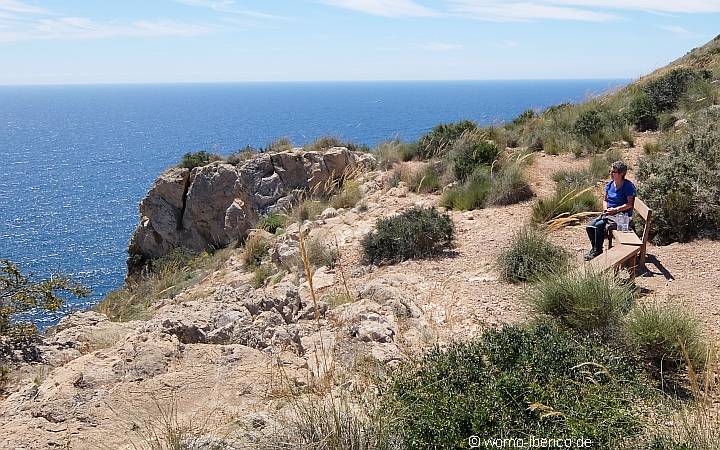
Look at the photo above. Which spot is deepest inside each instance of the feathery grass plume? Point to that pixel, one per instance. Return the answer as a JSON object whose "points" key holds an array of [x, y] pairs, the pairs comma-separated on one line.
{"points": [[666, 336], [565, 202], [584, 300], [531, 256]]}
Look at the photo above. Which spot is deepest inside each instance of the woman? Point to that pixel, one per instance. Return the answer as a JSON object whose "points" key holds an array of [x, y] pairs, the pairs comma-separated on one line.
{"points": [[619, 198]]}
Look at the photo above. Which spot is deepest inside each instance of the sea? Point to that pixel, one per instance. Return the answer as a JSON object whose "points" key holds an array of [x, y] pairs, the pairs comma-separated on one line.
{"points": [[75, 161]]}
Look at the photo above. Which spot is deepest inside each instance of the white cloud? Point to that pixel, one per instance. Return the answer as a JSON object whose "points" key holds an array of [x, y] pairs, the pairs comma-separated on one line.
{"points": [[573, 10], [680, 31], [524, 11], [20, 7], [228, 6], [72, 28], [386, 8], [441, 47]]}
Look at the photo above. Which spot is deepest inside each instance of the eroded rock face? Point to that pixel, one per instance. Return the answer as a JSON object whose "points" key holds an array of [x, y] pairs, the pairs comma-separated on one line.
{"points": [[214, 205]]}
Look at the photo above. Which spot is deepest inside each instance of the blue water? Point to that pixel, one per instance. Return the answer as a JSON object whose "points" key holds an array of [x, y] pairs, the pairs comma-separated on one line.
{"points": [[76, 160]]}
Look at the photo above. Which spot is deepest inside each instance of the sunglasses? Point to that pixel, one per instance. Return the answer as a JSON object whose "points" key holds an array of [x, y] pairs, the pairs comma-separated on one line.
{"points": [[615, 171]]}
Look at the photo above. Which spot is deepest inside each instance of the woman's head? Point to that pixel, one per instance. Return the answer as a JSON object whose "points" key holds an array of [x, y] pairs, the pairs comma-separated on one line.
{"points": [[618, 169]]}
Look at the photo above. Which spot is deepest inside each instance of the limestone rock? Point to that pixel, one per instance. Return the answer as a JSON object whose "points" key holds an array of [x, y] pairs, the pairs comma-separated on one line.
{"points": [[216, 204]]}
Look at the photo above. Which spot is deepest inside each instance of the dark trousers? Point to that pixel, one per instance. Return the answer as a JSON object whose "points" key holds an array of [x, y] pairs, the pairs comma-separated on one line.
{"points": [[597, 231]]}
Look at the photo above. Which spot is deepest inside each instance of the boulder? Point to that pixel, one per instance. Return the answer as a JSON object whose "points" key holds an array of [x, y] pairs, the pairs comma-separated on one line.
{"points": [[213, 205]]}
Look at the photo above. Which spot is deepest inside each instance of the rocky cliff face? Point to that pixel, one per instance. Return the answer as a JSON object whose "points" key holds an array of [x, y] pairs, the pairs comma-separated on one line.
{"points": [[211, 206]]}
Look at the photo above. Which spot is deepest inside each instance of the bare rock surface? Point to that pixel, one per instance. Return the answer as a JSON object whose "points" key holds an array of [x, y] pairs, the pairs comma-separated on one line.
{"points": [[213, 205]]}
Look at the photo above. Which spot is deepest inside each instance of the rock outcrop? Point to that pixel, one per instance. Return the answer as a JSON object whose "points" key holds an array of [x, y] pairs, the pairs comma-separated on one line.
{"points": [[214, 205]]}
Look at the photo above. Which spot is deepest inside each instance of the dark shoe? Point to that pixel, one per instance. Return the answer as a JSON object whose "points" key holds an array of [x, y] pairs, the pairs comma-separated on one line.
{"points": [[594, 253]]}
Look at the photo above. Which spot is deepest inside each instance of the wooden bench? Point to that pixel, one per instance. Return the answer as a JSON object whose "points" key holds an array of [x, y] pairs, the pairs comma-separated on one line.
{"points": [[630, 247]]}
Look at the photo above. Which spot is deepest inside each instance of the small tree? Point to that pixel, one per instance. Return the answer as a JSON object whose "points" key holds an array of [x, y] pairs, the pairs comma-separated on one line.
{"points": [[18, 294]]}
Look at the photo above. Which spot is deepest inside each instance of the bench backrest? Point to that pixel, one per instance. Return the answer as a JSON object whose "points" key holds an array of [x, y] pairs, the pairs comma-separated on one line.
{"points": [[646, 213]]}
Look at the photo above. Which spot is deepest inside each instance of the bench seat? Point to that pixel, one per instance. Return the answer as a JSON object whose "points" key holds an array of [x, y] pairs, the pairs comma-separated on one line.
{"points": [[627, 237], [616, 256]]}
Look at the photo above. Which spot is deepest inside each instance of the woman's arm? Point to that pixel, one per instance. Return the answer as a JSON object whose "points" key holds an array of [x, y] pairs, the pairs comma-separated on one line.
{"points": [[626, 207]]}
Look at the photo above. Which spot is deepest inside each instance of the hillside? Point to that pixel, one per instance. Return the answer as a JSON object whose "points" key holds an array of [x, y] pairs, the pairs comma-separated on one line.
{"points": [[292, 336]]}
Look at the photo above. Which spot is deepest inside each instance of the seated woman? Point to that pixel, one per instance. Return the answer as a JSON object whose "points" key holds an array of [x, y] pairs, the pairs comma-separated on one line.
{"points": [[619, 198]]}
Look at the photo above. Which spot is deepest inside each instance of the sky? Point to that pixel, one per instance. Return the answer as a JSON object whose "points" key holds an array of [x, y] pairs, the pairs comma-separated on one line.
{"points": [[162, 41]]}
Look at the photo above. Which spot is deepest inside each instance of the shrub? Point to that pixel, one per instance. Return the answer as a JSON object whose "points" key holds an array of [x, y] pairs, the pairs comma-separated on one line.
{"points": [[667, 336], [509, 186], [666, 121], [325, 143], [652, 148], [197, 159], [279, 145], [643, 113], [257, 247], [680, 185], [321, 254], [530, 256], [514, 383], [245, 154], [665, 92], [260, 274], [589, 123], [585, 301], [416, 233], [18, 294], [308, 209], [525, 116], [470, 195], [348, 196], [565, 201], [438, 141], [425, 180], [389, 153], [470, 151], [272, 222]]}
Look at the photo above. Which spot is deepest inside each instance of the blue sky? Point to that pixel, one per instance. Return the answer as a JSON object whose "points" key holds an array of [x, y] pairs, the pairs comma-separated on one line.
{"points": [[139, 41]]}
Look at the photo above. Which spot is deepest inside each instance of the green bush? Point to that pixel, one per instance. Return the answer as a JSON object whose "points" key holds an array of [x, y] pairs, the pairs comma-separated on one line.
{"points": [[586, 301], [348, 196], [19, 293], [470, 151], [666, 121], [415, 233], [666, 91], [643, 113], [525, 116], [321, 254], [509, 186], [667, 336], [589, 123], [257, 247], [680, 185], [190, 160], [272, 222], [531, 256], [425, 180], [392, 152], [514, 383], [470, 195], [438, 141], [565, 201]]}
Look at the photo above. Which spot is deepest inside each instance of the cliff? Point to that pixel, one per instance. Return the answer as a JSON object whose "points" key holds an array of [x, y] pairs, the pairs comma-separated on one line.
{"points": [[211, 206]]}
